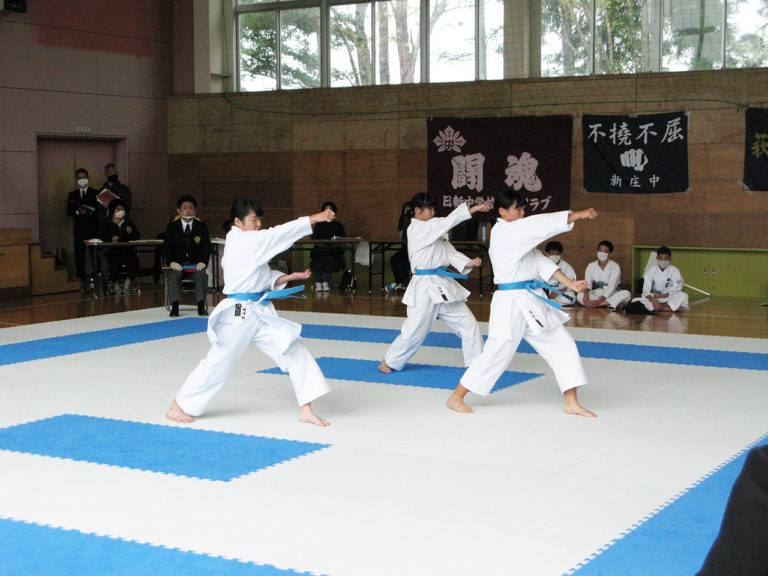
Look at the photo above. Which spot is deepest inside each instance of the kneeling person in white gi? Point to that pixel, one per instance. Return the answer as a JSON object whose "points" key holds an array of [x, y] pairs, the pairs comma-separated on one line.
{"points": [[248, 317], [663, 286]]}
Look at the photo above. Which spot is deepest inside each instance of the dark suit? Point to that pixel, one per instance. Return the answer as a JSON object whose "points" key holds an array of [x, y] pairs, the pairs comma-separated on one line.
{"points": [[85, 225], [186, 250]]}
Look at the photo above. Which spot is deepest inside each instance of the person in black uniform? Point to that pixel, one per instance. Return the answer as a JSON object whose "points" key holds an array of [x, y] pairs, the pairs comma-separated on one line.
{"points": [[187, 248], [117, 188], [118, 227], [82, 207], [326, 259], [741, 547]]}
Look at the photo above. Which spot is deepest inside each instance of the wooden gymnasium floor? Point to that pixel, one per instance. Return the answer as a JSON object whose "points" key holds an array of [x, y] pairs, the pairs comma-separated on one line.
{"points": [[741, 317]]}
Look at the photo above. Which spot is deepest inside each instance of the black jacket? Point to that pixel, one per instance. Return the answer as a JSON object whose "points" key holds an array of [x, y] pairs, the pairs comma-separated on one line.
{"points": [[177, 249], [85, 226]]}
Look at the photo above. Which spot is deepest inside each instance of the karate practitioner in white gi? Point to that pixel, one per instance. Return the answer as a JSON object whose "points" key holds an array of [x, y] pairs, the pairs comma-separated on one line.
{"points": [[663, 286], [554, 251], [603, 277], [247, 316], [520, 308], [432, 293]]}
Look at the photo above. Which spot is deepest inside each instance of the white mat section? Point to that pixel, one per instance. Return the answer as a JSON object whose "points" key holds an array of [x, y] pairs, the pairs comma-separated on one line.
{"points": [[407, 487]]}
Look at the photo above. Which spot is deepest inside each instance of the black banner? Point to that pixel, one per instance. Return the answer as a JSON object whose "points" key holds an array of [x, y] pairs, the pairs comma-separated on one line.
{"points": [[636, 154], [472, 159], [756, 152]]}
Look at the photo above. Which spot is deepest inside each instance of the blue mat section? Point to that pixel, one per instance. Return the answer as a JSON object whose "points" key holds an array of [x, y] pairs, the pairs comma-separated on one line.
{"points": [[30, 549], [98, 340], [422, 375], [675, 541], [168, 449], [603, 350]]}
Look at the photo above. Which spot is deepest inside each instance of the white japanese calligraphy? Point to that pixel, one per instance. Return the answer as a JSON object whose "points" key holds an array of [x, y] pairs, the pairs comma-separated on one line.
{"points": [[521, 172], [468, 171]]}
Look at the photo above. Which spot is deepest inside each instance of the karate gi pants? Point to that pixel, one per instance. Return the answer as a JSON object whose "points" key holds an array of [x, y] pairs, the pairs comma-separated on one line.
{"points": [[234, 334], [676, 302], [741, 547], [618, 297], [419, 322], [556, 346]]}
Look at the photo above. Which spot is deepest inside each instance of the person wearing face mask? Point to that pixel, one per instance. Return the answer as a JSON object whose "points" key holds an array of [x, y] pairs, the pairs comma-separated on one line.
{"points": [[82, 207], [603, 277], [662, 287], [119, 228], [187, 249], [554, 250], [117, 188]]}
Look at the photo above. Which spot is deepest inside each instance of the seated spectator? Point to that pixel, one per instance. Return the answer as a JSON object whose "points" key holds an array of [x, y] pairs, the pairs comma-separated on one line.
{"points": [[326, 259], [187, 248], [662, 287], [119, 228], [401, 265], [554, 250], [603, 277]]}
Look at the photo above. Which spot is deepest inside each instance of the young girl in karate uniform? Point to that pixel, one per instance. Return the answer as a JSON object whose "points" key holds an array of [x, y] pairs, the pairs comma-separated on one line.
{"points": [[520, 308], [247, 315], [433, 292]]}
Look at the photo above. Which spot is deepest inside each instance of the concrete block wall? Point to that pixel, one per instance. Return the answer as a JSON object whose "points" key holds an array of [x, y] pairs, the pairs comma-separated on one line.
{"points": [[365, 149]]}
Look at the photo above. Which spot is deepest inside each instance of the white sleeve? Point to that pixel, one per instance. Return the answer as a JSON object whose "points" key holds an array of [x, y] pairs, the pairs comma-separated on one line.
{"points": [[545, 268], [648, 283], [614, 277], [275, 274], [271, 242], [457, 259], [435, 228]]}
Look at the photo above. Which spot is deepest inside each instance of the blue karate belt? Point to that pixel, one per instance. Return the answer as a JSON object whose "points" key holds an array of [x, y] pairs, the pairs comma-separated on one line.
{"points": [[267, 295], [531, 285], [442, 271]]}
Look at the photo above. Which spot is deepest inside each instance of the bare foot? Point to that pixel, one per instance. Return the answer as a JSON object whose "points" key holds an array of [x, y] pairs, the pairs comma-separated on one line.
{"points": [[307, 416], [456, 400], [579, 410], [176, 414], [384, 368]]}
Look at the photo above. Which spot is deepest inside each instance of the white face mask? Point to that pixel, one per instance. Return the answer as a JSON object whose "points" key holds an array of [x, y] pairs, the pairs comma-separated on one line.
{"points": [[187, 218], [119, 214], [663, 263], [83, 182], [555, 258], [602, 256]]}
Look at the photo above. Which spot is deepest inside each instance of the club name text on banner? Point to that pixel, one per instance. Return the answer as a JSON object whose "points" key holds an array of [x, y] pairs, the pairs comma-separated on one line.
{"points": [[645, 154], [472, 159], [756, 152]]}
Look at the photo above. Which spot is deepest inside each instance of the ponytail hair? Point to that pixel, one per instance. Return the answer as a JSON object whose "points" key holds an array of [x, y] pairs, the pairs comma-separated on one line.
{"points": [[241, 208]]}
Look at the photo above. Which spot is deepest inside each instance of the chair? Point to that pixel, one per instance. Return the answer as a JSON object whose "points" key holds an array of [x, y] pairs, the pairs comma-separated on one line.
{"points": [[187, 284]]}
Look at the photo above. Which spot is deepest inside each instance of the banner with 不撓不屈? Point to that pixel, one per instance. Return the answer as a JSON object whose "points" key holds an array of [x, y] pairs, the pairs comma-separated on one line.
{"points": [[470, 160], [643, 154], [756, 152]]}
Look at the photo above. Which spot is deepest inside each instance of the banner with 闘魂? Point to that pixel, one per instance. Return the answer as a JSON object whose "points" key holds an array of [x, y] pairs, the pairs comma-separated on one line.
{"points": [[472, 159], [756, 153], [636, 154]]}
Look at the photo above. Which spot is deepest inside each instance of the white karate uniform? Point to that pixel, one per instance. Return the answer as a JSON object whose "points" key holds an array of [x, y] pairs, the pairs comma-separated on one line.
{"points": [[667, 281], [604, 283], [517, 314], [246, 270], [569, 273], [433, 296]]}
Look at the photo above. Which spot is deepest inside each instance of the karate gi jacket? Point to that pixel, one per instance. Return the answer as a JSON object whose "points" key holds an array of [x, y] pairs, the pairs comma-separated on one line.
{"points": [[429, 247], [514, 258], [246, 269]]}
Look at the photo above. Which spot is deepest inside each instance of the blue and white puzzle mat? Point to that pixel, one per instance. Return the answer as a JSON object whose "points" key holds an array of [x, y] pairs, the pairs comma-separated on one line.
{"points": [[94, 479]]}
